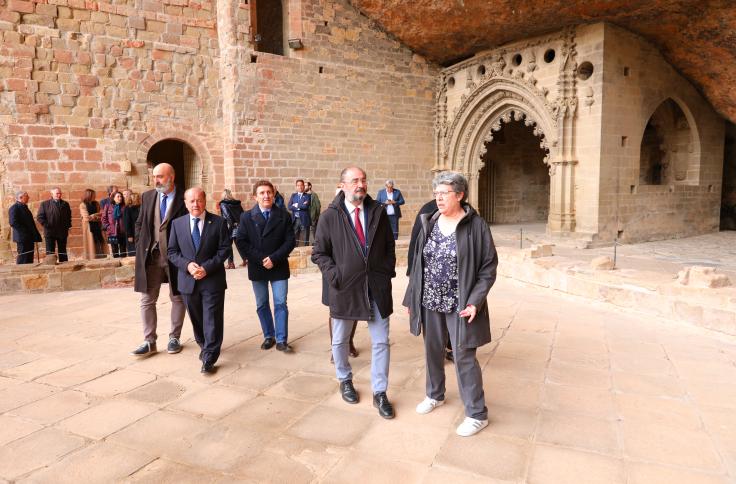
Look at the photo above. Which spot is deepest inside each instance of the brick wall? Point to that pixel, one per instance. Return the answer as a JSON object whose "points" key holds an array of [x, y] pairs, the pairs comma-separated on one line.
{"points": [[88, 87]]}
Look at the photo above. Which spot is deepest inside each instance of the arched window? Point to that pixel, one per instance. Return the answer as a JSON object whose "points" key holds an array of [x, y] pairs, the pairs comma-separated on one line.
{"points": [[666, 155]]}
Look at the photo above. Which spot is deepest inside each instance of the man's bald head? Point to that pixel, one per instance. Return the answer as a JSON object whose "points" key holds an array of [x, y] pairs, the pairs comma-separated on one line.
{"points": [[163, 175]]}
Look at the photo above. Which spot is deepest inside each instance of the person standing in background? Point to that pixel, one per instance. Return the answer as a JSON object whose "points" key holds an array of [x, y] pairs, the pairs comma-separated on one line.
{"points": [[55, 216], [132, 211], [231, 209], [392, 199], [92, 240], [25, 233]]}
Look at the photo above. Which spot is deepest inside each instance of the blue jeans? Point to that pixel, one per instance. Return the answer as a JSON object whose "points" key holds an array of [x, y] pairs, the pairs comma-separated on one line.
{"points": [[380, 349], [280, 310]]}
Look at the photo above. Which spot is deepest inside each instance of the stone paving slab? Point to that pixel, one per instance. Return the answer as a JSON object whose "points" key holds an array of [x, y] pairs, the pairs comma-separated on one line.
{"points": [[578, 391]]}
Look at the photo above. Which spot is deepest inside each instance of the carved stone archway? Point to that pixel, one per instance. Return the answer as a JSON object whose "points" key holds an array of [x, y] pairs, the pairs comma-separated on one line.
{"points": [[500, 100]]}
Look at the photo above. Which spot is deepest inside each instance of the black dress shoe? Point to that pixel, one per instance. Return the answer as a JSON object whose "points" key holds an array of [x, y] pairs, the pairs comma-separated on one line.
{"points": [[348, 391], [268, 343], [284, 347], [208, 367], [385, 409]]}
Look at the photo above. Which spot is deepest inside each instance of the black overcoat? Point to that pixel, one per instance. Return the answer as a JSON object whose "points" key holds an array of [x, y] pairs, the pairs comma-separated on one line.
{"points": [[257, 239], [24, 228], [351, 273]]}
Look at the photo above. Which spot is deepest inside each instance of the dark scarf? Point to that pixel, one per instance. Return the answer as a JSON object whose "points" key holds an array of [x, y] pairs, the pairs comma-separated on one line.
{"points": [[116, 212]]}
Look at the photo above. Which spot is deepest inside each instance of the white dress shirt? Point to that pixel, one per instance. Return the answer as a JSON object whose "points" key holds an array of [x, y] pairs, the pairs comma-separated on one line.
{"points": [[200, 224], [389, 207], [351, 211]]}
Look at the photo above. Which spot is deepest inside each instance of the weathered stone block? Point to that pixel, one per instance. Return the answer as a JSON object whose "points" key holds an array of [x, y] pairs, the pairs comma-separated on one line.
{"points": [[89, 279], [602, 263], [125, 273], [34, 282], [699, 276], [541, 250]]}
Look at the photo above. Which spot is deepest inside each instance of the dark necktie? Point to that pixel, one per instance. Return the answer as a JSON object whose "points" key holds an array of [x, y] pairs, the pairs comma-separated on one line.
{"points": [[266, 213], [163, 207], [359, 228], [196, 236]]}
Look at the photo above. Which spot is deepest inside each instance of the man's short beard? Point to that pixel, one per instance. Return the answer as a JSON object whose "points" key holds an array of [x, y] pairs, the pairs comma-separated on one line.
{"points": [[357, 197], [164, 188]]}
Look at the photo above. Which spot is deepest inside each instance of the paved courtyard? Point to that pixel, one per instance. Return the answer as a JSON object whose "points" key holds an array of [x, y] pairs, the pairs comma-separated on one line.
{"points": [[578, 392]]}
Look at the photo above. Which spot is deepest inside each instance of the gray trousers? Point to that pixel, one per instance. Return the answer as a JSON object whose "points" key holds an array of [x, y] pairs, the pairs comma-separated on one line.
{"points": [[469, 376], [380, 351], [155, 276]]}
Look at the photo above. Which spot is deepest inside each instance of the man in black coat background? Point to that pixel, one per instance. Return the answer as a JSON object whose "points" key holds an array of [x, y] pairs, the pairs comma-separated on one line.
{"points": [[198, 246], [55, 215], [265, 239], [25, 233]]}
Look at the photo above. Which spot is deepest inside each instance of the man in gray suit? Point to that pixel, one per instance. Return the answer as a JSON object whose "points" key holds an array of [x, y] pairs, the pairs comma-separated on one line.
{"points": [[152, 268]]}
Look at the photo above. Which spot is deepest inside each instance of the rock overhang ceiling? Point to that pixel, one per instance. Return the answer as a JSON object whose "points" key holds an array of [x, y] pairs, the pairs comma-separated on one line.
{"points": [[698, 37]]}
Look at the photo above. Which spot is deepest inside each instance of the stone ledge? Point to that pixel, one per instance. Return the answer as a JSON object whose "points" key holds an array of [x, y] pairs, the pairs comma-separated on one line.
{"points": [[646, 292]]}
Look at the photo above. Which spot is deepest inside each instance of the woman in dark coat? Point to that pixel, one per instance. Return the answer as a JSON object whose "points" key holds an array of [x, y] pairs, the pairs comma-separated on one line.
{"points": [[112, 222], [130, 215], [231, 209], [454, 267]]}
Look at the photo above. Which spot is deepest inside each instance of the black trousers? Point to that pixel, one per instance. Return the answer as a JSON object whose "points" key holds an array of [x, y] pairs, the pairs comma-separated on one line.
{"points": [[52, 243], [207, 313], [25, 253]]}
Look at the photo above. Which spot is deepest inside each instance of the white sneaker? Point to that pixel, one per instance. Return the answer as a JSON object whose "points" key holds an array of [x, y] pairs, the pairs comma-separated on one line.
{"points": [[471, 426], [429, 404]]}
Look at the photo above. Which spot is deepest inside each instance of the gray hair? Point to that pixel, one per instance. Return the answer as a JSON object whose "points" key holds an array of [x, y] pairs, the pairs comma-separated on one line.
{"points": [[227, 194], [389, 182], [19, 194], [455, 180]]}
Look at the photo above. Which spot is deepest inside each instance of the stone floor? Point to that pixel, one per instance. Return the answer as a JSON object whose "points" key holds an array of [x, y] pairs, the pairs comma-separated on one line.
{"points": [[577, 392]]}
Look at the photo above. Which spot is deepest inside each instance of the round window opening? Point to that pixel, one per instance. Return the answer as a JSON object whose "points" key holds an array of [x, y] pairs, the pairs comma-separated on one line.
{"points": [[549, 56], [451, 82], [481, 70], [585, 70], [516, 60]]}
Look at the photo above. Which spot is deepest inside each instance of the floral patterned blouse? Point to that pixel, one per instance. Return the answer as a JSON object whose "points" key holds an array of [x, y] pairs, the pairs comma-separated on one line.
{"points": [[440, 272]]}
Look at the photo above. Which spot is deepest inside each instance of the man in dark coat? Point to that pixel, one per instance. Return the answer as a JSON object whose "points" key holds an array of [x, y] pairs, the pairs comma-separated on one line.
{"points": [[300, 204], [265, 239], [55, 215], [199, 245], [25, 233], [152, 267], [355, 250]]}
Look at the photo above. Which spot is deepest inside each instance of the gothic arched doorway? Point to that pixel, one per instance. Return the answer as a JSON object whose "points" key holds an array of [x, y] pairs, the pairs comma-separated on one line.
{"points": [[182, 157], [514, 183]]}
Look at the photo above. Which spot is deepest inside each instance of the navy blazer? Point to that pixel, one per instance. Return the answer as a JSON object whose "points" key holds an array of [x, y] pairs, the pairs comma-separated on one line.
{"points": [[24, 228], [257, 240], [398, 198], [214, 249], [301, 211]]}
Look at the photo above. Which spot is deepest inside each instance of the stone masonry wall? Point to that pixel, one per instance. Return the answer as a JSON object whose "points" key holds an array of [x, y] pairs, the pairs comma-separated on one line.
{"points": [[88, 86], [637, 81], [352, 95]]}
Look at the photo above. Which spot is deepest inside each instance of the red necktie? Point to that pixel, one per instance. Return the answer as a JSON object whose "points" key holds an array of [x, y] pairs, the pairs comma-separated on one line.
{"points": [[359, 227]]}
